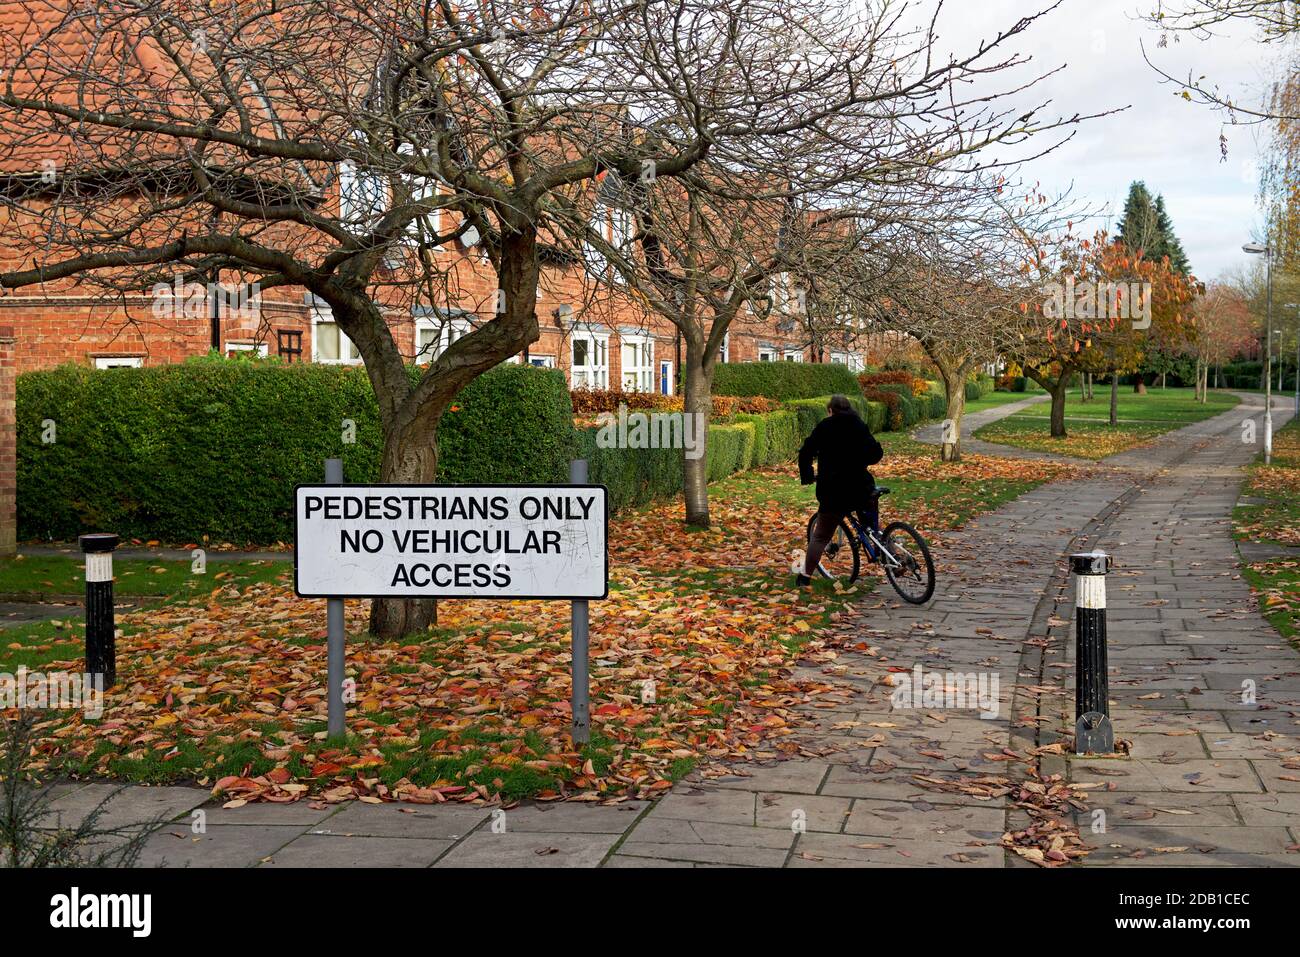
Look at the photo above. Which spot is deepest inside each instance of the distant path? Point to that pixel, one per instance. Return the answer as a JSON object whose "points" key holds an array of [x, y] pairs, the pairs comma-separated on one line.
{"points": [[932, 434]]}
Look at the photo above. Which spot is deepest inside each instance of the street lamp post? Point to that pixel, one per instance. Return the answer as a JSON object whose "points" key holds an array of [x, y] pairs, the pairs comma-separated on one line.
{"points": [[1257, 249]]}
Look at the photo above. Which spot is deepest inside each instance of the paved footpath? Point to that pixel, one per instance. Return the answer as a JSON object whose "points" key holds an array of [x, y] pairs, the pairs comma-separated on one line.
{"points": [[881, 781]]}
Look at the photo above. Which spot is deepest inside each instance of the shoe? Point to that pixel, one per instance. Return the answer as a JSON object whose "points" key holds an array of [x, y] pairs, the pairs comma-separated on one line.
{"points": [[803, 581]]}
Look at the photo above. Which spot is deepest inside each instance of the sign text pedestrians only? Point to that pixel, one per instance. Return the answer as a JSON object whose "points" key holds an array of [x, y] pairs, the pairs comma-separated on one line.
{"points": [[451, 541]]}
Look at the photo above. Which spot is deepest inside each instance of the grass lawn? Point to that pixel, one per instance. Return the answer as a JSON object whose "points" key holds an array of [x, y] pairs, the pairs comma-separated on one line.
{"points": [[1276, 486], [35, 576], [993, 400], [1273, 516], [1089, 435], [691, 656]]}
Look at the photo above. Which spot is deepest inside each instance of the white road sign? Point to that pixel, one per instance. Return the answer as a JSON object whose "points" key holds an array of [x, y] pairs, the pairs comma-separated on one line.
{"points": [[451, 541]]}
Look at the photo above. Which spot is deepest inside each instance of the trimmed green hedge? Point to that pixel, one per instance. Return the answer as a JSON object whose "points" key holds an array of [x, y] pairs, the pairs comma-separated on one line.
{"points": [[812, 411], [731, 449], [633, 476], [215, 448], [776, 436], [784, 381]]}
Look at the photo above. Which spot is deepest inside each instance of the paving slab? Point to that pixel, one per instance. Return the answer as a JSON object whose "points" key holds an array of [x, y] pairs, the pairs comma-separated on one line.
{"points": [[225, 845], [442, 822], [519, 849], [320, 850]]}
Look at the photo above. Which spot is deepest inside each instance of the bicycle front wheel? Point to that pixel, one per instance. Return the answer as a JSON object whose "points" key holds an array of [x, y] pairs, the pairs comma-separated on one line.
{"points": [[911, 571], [841, 561]]}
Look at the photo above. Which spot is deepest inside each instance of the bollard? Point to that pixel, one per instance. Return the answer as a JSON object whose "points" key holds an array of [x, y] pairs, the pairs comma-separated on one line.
{"points": [[581, 705], [101, 625], [335, 664], [1093, 733]]}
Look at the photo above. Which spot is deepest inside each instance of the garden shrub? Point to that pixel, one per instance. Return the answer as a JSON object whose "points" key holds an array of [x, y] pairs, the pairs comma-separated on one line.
{"points": [[213, 449], [783, 381]]}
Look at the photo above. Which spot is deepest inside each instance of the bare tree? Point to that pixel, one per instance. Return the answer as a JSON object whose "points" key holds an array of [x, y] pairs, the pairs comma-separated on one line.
{"points": [[342, 149], [856, 127]]}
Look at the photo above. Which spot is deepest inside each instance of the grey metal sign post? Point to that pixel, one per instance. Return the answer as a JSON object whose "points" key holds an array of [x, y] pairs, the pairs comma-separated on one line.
{"points": [[581, 704], [335, 723], [520, 542]]}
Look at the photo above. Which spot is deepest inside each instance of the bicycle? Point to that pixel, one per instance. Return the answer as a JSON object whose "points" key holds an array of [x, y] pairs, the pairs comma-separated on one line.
{"points": [[900, 549]]}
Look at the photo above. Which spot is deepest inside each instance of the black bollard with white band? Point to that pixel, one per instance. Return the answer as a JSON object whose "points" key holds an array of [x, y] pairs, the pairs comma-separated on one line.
{"points": [[1093, 733], [101, 626]]}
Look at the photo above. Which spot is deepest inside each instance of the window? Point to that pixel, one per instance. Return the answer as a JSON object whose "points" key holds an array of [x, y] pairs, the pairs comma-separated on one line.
{"points": [[328, 343], [363, 196], [766, 354], [119, 362], [785, 299], [638, 357], [612, 220], [288, 345], [424, 189], [435, 334], [541, 362], [724, 354], [590, 361], [793, 355]]}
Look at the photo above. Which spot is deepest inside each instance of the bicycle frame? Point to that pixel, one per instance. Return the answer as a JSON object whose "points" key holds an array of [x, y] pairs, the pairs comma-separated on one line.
{"points": [[869, 537]]}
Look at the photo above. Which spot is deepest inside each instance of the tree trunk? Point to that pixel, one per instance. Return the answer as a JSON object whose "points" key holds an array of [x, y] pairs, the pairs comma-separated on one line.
{"points": [[410, 454], [697, 400], [1114, 398], [1058, 391], [409, 459], [954, 387]]}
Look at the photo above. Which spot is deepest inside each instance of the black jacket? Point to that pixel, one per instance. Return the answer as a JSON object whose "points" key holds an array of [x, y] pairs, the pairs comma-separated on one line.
{"points": [[843, 447]]}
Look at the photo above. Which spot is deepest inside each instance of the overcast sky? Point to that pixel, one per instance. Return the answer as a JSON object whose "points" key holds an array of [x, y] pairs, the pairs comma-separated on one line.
{"points": [[1169, 143]]}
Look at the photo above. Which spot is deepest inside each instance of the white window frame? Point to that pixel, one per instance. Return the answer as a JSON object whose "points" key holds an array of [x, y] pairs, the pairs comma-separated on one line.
{"points": [[643, 373], [419, 187], [792, 355], [766, 354], [782, 295], [449, 331], [542, 361], [593, 375], [724, 353], [363, 196], [119, 362], [322, 314]]}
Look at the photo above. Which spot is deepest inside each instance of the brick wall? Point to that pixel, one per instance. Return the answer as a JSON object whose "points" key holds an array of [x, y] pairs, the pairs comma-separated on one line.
{"points": [[71, 326]]}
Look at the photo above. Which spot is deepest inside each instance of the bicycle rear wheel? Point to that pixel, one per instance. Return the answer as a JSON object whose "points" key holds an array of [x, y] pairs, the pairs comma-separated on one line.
{"points": [[912, 572], [841, 561]]}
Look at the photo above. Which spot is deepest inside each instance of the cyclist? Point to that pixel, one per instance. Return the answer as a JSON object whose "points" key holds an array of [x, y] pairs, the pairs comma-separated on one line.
{"points": [[844, 448]]}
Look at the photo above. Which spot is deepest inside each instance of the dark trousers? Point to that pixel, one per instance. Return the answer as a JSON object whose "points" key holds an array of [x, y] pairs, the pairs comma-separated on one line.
{"points": [[824, 530]]}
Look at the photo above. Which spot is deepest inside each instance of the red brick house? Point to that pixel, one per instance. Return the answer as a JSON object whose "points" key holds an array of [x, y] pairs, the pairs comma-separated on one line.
{"points": [[589, 329]]}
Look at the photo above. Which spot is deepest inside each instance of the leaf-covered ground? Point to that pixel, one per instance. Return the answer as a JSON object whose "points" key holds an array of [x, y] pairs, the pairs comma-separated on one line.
{"points": [[1140, 418], [691, 657], [1271, 514], [1275, 515]]}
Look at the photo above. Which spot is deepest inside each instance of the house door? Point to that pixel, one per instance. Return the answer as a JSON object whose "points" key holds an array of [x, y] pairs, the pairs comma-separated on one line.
{"points": [[665, 377]]}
